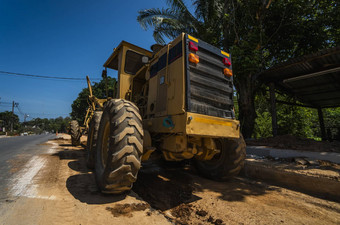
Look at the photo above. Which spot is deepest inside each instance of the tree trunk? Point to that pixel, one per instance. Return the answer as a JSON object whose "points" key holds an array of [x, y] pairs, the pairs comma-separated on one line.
{"points": [[247, 114]]}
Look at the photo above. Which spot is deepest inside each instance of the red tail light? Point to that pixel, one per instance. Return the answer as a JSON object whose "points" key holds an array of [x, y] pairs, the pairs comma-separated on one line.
{"points": [[226, 62], [193, 46]]}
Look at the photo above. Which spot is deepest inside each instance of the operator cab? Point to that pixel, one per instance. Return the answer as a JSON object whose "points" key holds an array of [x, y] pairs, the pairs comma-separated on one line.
{"points": [[129, 61]]}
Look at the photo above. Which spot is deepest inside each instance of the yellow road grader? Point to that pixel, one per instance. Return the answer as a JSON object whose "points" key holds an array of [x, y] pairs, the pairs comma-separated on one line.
{"points": [[176, 100]]}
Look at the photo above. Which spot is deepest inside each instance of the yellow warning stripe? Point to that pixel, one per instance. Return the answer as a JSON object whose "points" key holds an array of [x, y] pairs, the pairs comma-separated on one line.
{"points": [[224, 53], [212, 121], [192, 38]]}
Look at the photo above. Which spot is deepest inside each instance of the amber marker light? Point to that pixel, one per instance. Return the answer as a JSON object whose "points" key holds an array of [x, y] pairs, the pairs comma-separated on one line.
{"points": [[227, 72], [194, 58]]}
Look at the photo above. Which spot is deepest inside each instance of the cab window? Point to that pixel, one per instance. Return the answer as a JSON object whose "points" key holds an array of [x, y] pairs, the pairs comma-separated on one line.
{"points": [[133, 62]]}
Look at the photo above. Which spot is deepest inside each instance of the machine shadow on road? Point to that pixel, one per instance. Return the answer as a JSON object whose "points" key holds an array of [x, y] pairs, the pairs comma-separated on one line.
{"points": [[163, 186], [83, 186], [166, 186], [65, 145], [69, 145]]}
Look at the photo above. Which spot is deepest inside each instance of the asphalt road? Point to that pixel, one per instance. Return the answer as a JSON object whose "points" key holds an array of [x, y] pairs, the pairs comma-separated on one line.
{"points": [[15, 151]]}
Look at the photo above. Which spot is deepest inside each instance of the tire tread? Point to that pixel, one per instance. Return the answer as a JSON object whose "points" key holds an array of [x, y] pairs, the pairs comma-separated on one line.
{"points": [[125, 148]]}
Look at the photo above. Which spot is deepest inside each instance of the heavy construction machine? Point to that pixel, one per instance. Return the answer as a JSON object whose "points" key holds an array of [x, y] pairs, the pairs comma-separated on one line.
{"points": [[176, 100]]}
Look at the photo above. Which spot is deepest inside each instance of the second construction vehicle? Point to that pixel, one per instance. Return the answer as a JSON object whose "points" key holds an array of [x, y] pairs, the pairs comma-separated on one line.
{"points": [[178, 100]]}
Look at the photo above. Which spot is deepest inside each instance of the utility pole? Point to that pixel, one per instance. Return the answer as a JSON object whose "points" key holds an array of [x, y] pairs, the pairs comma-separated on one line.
{"points": [[12, 123], [13, 107]]}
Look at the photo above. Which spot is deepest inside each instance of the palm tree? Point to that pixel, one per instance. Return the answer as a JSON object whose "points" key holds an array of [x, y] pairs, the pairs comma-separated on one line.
{"points": [[205, 23]]}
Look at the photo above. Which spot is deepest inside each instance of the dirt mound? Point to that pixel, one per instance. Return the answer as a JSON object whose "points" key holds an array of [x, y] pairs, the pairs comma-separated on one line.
{"points": [[296, 143], [127, 209], [182, 213]]}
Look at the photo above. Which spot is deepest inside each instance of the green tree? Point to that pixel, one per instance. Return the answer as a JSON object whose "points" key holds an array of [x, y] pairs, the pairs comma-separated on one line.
{"points": [[39, 125], [7, 119], [258, 33], [332, 122], [80, 104], [294, 120]]}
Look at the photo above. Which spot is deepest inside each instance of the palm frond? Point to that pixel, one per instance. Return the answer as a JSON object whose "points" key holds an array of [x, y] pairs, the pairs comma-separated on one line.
{"points": [[170, 28], [170, 22], [152, 17], [179, 6]]}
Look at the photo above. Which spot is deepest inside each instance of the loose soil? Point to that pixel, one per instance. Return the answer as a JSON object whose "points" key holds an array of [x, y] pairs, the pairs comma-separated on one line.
{"points": [[66, 193], [296, 143], [127, 209]]}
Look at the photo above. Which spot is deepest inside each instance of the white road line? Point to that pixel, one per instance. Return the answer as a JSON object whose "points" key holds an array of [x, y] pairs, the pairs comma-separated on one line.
{"points": [[22, 184], [53, 148]]}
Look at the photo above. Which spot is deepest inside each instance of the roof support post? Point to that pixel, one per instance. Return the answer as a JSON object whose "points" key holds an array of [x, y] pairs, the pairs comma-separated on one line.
{"points": [[273, 108], [322, 124]]}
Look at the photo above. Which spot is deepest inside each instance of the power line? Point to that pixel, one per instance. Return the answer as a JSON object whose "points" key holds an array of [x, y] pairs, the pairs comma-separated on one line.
{"points": [[48, 114], [17, 106], [43, 76]]}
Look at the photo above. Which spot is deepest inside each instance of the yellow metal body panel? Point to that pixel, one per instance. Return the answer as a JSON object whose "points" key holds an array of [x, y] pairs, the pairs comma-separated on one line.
{"points": [[152, 97], [193, 124], [167, 88], [124, 79], [155, 125], [203, 125], [176, 86]]}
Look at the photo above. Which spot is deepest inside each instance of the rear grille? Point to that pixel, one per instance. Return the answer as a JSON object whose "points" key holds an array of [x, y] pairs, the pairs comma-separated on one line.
{"points": [[209, 91]]}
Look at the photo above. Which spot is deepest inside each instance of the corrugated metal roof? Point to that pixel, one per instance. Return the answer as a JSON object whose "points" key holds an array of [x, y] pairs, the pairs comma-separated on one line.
{"points": [[313, 79]]}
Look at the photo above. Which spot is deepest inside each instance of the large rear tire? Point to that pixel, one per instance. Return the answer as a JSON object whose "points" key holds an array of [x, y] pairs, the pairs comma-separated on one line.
{"points": [[227, 163], [75, 133], [92, 138], [119, 147]]}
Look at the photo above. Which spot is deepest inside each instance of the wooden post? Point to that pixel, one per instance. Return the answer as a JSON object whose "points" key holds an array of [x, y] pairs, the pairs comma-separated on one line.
{"points": [[322, 124], [273, 108]]}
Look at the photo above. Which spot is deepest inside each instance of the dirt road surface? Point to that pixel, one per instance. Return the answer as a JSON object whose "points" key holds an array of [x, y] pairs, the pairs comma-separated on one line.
{"points": [[57, 188]]}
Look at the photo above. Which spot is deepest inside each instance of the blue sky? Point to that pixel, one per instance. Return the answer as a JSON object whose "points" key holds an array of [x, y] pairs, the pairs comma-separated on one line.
{"points": [[65, 39]]}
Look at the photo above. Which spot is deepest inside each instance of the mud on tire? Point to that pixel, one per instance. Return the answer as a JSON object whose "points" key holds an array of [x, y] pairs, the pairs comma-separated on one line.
{"points": [[92, 138], [227, 163], [119, 147], [75, 133]]}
